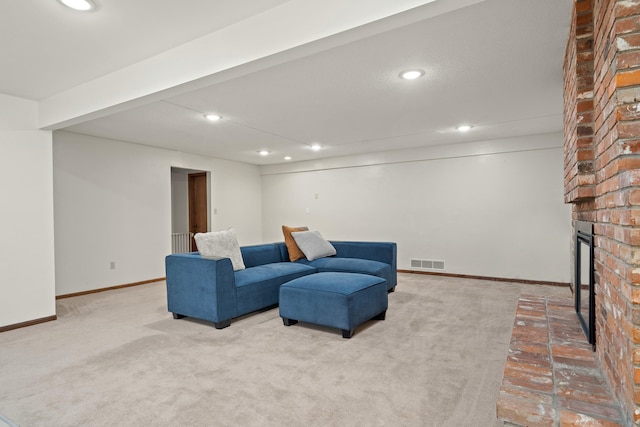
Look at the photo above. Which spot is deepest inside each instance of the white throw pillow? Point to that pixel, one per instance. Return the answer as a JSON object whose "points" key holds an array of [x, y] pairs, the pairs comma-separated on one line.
{"points": [[223, 244], [313, 245]]}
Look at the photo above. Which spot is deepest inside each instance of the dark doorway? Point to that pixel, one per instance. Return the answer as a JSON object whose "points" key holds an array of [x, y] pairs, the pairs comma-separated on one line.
{"points": [[584, 287], [197, 205]]}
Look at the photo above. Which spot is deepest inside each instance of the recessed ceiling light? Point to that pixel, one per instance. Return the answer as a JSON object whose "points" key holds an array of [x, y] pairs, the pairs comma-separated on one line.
{"points": [[82, 5], [263, 152], [316, 147], [287, 157], [213, 117], [412, 74], [463, 128]]}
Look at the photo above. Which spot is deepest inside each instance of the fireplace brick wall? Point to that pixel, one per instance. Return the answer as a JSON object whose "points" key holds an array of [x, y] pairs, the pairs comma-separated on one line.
{"points": [[579, 181], [602, 175]]}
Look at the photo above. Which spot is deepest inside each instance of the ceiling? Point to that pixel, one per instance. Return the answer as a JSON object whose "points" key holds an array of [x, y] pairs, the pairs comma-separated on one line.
{"points": [[493, 64]]}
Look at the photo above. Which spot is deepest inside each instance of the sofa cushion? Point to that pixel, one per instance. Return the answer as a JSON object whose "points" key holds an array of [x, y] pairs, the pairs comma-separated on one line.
{"points": [[223, 244], [351, 265], [313, 245], [292, 247], [261, 254], [259, 287]]}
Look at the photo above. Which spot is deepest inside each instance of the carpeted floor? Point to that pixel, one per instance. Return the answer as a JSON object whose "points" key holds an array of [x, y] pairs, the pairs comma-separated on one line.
{"points": [[118, 358]]}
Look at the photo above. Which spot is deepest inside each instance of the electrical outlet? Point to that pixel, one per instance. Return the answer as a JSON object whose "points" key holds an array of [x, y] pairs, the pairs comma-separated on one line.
{"points": [[112, 265]]}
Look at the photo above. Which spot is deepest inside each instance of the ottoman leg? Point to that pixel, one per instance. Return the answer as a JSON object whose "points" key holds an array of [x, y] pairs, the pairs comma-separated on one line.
{"points": [[380, 316], [288, 322], [223, 324], [177, 316], [347, 333]]}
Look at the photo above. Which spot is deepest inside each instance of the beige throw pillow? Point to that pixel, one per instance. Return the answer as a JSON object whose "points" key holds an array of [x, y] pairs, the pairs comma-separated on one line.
{"points": [[223, 244]]}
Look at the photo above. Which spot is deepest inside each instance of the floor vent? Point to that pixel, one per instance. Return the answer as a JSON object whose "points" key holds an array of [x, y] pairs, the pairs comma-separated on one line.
{"points": [[427, 264]]}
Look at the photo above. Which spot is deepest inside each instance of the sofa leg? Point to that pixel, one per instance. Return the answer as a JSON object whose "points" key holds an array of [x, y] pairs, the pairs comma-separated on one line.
{"points": [[347, 333], [288, 322], [392, 289], [177, 316], [222, 325], [380, 316]]}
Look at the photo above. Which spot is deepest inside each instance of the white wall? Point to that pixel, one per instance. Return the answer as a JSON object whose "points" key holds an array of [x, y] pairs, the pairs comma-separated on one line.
{"points": [[26, 254], [464, 204], [112, 202], [493, 208], [179, 201]]}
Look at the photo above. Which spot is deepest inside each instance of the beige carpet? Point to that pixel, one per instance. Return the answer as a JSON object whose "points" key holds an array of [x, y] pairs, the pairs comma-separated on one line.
{"points": [[119, 359]]}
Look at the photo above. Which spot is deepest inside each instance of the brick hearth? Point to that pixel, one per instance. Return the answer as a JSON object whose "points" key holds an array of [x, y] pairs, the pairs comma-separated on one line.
{"points": [[551, 376]]}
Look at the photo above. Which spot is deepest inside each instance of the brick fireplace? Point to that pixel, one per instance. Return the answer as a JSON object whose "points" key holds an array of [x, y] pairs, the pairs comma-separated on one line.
{"points": [[602, 176]]}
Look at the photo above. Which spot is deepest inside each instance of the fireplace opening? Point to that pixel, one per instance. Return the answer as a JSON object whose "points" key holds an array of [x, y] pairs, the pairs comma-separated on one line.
{"points": [[584, 287]]}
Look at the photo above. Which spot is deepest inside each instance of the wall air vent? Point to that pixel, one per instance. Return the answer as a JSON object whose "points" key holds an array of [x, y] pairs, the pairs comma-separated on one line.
{"points": [[427, 264]]}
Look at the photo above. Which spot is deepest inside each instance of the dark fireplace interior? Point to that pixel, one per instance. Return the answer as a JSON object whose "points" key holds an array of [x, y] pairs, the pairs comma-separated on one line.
{"points": [[584, 289]]}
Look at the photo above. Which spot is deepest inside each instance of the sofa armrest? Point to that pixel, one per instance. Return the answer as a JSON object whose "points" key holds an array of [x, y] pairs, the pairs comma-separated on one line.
{"points": [[201, 287], [376, 251]]}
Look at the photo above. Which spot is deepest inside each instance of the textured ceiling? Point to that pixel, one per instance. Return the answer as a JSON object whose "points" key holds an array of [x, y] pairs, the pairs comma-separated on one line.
{"points": [[47, 48], [496, 65]]}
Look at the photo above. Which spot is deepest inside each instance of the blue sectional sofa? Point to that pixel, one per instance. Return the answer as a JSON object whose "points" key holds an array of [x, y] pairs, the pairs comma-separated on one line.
{"points": [[208, 288]]}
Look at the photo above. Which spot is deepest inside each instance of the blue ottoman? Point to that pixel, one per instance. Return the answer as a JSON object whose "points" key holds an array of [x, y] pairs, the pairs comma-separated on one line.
{"points": [[337, 300]]}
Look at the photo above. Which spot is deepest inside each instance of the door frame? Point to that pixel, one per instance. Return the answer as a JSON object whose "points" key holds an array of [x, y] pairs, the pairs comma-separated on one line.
{"points": [[198, 212]]}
